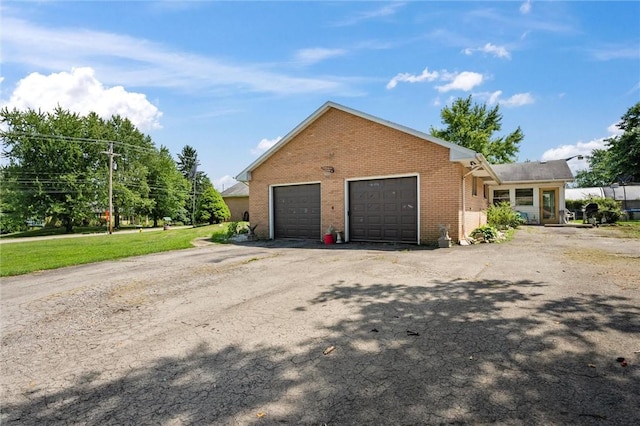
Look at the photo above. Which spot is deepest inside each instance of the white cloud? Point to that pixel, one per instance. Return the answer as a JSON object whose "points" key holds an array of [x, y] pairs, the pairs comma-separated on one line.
{"points": [[133, 62], [614, 129], [80, 91], [567, 151], [318, 54], [409, 78], [519, 99], [465, 81], [580, 148], [381, 12], [525, 7], [491, 49], [224, 182], [264, 145]]}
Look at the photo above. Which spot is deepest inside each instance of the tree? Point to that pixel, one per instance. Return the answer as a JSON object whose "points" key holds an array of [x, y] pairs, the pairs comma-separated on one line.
{"points": [[620, 160], [473, 126], [212, 208], [188, 162], [168, 188], [188, 165], [51, 171], [131, 192]]}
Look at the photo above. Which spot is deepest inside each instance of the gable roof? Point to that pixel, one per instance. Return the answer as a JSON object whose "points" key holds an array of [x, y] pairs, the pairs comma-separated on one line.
{"points": [[538, 171], [240, 189], [456, 152]]}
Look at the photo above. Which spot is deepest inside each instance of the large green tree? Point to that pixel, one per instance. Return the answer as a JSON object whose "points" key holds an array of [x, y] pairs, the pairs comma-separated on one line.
{"points": [[131, 192], [52, 168], [168, 188], [619, 161], [473, 125]]}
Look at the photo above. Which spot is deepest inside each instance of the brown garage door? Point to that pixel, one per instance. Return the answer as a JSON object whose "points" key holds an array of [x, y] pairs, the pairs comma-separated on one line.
{"points": [[297, 211], [384, 210]]}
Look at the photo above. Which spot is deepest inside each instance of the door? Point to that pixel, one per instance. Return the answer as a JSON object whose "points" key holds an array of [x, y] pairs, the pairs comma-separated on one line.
{"points": [[549, 205], [297, 211], [384, 210]]}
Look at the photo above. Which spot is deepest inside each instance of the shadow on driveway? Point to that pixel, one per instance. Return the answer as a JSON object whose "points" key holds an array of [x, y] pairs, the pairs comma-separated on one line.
{"points": [[455, 351]]}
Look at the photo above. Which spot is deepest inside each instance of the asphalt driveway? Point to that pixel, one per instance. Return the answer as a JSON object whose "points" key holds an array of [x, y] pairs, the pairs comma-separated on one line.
{"points": [[528, 332]]}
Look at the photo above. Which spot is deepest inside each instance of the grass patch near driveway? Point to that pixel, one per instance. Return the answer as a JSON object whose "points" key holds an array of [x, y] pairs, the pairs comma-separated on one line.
{"points": [[30, 256], [627, 229]]}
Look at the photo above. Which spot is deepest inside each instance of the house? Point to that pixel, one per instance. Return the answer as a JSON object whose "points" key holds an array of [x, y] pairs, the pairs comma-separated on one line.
{"points": [[237, 199], [536, 189], [371, 179], [374, 180]]}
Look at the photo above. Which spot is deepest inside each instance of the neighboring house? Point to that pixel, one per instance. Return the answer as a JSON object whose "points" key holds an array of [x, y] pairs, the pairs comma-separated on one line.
{"points": [[536, 189], [374, 180], [237, 199]]}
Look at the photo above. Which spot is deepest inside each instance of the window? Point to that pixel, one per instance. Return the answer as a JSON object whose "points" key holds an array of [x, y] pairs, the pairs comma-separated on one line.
{"points": [[485, 192], [501, 196], [524, 197], [474, 186]]}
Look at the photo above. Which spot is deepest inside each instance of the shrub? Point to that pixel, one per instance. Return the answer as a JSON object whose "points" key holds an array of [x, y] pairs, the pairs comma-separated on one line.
{"points": [[574, 205], [485, 233], [237, 228], [608, 209], [232, 229], [502, 216]]}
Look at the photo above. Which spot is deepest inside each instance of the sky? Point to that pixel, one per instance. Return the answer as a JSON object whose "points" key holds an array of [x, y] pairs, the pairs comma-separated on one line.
{"points": [[230, 78]]}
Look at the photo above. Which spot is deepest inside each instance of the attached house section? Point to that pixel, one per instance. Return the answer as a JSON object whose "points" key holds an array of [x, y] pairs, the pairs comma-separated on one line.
{"points": [[535, 189]]}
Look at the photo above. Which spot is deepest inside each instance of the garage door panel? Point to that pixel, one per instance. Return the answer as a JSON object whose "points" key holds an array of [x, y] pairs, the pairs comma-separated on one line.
{"points": [[390, 211], [297, 211]]}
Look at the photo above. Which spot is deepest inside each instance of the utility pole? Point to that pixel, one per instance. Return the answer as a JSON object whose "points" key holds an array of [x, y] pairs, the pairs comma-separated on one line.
{"points": [[111, 155], [194, 173]]}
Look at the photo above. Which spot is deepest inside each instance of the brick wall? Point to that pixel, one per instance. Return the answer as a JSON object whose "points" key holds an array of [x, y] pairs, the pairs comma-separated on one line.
{"points": [[359, 148], [237, 207]]}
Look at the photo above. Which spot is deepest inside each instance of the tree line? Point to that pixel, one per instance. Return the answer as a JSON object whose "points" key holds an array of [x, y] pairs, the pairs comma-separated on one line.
{"points": [[56, 169]]}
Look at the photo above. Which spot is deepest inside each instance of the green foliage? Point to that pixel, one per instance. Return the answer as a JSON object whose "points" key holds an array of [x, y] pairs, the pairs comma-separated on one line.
{"points": [[502, 216], [237, 228], [212, 208], [472, 126], [608, 210], [485, 233], [168, 188], [58, 170], [620, 160], [601, 172], [50, 173], [574, 205]]}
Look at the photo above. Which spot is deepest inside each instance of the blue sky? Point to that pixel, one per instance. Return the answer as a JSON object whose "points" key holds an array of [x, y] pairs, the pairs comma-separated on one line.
{"points": [[230, 78]]}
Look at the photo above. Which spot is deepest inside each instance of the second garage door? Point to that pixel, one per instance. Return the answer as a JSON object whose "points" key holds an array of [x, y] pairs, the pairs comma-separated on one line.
{"points": [[384, 210], [297, 211]]}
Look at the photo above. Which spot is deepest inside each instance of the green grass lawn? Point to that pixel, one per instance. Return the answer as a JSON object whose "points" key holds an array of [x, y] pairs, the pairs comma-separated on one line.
{"points": [[628, 229], [29, 256]]}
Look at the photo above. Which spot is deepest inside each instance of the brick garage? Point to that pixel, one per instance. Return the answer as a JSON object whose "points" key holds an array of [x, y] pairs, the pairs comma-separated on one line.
{"points": [[336, 148]]}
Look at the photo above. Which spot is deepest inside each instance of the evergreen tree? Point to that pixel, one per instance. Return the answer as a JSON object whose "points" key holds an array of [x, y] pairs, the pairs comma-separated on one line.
{"points": [[212, 208]]}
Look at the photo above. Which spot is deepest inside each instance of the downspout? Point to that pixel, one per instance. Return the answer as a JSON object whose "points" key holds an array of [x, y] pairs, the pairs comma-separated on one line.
{"points": [[463, 241]]}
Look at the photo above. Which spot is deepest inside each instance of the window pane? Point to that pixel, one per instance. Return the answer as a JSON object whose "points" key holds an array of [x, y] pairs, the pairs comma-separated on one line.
{"points": [[524, 197], [500, 196]]}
